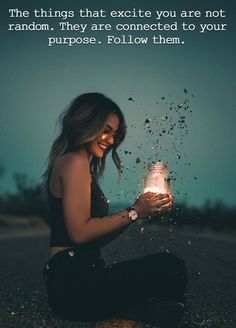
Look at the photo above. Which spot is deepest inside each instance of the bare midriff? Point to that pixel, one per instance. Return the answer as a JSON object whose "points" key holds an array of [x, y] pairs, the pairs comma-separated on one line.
{"points": [[56, 249]]}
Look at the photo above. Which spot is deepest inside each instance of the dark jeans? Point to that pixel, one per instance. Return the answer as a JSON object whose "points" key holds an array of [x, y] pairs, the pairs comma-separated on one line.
{"points": [[80, 287]]}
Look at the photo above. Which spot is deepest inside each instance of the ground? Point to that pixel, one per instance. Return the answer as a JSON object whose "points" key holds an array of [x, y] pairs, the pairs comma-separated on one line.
{"points": [[210, 260]]}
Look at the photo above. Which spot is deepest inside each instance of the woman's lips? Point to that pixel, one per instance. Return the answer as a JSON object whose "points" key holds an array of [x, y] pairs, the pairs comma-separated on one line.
{"points": [[103, 147]]}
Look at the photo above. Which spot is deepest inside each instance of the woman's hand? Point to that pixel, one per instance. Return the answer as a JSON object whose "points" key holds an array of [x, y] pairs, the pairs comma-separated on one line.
{"points": [[151, 204]]}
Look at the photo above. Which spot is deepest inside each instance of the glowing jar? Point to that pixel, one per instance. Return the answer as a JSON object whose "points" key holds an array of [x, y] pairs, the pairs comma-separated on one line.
{"points": [[156, 179]]}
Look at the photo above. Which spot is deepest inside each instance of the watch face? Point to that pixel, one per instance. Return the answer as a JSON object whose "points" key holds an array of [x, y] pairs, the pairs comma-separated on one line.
{"points": [[133, 215]]}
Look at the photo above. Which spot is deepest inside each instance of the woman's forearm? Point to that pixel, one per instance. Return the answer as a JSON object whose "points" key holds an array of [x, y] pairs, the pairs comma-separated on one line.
{"points": [[96, 228]]}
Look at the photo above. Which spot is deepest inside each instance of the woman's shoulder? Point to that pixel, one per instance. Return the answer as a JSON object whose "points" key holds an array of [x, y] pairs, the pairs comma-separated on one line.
{"points": [[68, 167], [71, 167], [72, 161]]}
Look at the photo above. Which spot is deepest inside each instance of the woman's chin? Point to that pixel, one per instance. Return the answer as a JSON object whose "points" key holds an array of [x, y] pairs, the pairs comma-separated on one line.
{"points": [[99, 155]]}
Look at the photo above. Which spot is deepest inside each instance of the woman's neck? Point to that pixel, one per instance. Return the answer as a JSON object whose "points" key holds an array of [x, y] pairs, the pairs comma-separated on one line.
{"points": [[84, 152]]}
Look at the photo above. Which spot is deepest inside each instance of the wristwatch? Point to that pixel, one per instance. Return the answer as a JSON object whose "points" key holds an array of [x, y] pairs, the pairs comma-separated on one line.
{"points": [[132, 213]]}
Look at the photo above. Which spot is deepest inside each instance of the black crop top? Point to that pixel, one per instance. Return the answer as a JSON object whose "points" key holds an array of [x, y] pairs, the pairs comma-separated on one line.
{"points": [[58, 234]]}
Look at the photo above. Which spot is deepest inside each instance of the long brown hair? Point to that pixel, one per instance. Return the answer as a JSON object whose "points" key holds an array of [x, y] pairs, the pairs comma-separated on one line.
{"points": [[80, 123]]}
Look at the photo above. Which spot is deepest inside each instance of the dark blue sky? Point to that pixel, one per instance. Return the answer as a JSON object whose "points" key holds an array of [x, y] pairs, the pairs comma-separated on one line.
{"points": [[39, 81]]}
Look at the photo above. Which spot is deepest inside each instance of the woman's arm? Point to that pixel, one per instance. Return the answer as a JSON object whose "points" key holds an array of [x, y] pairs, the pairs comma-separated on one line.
{"points": [[76, 193]]}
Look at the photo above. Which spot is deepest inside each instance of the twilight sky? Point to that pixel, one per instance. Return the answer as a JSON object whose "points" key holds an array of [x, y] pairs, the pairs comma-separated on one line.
{"points": [[39, 81]]}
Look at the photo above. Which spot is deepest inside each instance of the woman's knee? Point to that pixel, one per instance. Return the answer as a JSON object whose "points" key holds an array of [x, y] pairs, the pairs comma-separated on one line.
{"points": [[174, 264]]}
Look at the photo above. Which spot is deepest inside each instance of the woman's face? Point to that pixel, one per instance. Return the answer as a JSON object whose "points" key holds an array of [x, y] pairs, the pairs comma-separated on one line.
{"points": [[99, 145]]}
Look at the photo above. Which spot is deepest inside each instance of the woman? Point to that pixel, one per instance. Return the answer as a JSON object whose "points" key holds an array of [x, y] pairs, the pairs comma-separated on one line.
{"points": [[79, 284]]}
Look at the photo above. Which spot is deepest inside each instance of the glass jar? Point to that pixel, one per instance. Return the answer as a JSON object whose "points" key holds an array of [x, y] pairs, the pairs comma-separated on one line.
{"points": [[156, 179]]}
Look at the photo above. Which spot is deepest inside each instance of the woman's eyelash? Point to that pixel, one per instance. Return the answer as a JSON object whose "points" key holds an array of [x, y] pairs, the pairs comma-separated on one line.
{"points": [[106, 132]]}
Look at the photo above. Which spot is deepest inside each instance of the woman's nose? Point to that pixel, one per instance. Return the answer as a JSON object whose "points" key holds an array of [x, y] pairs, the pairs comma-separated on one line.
{"points": [[110, 139]]}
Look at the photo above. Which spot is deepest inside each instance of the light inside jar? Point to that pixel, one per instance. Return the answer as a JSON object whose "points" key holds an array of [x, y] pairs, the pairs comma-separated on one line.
{"points": [[156, 179]]}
